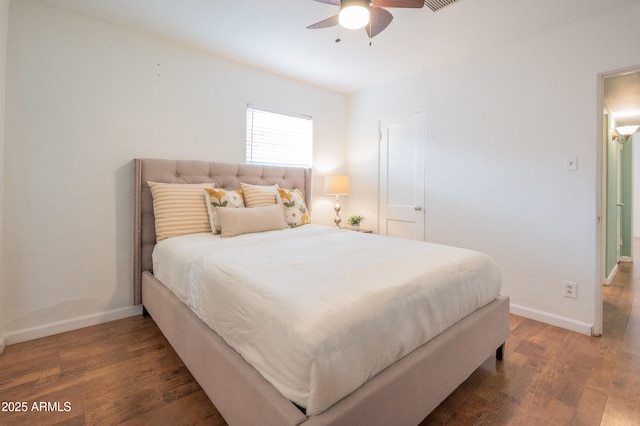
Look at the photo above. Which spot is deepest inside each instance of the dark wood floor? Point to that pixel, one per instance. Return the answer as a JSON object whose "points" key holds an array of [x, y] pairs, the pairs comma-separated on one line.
{"points": [[125, 372], [551, 376]]}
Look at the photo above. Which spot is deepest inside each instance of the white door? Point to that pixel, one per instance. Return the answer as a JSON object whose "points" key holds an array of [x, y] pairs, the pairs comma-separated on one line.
{"points": [[402, 155]]}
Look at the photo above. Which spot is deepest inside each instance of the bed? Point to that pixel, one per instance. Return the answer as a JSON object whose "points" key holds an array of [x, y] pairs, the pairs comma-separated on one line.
{"points": [[402, 393]]}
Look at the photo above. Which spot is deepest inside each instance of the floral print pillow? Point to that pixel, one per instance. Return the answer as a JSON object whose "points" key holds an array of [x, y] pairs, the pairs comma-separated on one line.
{"points": [[295, 211], [218, 197]]}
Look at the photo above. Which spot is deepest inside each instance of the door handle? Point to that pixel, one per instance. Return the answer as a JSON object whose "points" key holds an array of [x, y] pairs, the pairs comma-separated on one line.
{"points": [[417, 208], [620, 205]]}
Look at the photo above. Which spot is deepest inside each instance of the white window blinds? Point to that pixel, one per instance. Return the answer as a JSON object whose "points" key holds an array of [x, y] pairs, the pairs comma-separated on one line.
{"points": [[278, 138]]}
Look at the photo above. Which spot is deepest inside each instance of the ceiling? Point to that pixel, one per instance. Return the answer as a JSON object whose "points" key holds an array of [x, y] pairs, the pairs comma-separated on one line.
{"points": [[268, 34], [272, 35], [622, 97]]}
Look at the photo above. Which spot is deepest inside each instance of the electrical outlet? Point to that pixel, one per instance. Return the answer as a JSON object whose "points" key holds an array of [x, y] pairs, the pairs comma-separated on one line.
{"points": [[570, 289]]}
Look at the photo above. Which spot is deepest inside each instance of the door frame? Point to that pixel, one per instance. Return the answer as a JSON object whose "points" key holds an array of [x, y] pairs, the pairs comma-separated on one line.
{"points": [[601, 197], [601, 207]]}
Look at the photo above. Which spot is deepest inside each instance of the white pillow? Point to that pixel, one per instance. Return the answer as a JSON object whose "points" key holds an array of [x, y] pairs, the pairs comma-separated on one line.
{"points": [[244, 221]]}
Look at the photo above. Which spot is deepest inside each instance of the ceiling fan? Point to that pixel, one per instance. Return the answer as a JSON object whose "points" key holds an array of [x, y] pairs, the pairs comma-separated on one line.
{"points": [[367, 14]]}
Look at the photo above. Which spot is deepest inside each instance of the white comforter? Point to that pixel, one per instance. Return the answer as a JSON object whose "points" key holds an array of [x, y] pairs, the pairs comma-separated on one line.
{"points": [[318, 311]]}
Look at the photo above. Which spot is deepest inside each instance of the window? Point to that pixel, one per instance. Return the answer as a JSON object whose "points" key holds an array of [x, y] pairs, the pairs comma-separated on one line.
{"points": [[279, 138]]}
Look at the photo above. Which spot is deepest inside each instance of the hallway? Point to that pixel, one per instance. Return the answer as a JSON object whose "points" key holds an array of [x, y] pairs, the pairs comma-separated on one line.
{"points": [[622, 329]]}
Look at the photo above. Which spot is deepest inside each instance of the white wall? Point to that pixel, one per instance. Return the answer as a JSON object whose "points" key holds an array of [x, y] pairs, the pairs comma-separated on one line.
{"points": [[500, 125], [4, 21], [84, 98]]}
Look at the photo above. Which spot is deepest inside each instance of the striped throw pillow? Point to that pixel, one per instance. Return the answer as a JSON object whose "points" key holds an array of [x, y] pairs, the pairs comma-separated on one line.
{"points": [[259, 195], [179, 209]]}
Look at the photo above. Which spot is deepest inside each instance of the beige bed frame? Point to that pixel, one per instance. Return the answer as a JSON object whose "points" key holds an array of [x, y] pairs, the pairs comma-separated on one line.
{"points": [[403, 394]]}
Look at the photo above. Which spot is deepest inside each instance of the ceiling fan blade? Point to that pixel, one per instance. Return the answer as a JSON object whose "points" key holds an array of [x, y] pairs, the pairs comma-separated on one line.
{"points": [[333, 2], [326, 23], [395, 3], [380, 19]]}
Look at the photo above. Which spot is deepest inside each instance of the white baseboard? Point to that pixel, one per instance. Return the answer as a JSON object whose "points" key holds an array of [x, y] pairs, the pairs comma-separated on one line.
{"points": [[556, 320], [608, 280], [70, 324], [626, 259], [3, 343]]}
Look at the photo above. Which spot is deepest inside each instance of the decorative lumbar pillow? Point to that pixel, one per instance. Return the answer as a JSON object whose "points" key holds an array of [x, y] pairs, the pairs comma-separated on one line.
{"points": [[259, 195], [179, 209], [295, 210], [244, 221], [217, 197]]}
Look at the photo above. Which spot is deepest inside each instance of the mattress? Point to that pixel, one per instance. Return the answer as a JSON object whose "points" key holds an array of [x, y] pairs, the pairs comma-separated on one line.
{"points": [[319, 311]]}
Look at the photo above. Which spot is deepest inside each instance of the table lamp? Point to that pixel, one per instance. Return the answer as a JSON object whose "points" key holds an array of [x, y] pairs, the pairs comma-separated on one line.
{"points": [[337, 185]]}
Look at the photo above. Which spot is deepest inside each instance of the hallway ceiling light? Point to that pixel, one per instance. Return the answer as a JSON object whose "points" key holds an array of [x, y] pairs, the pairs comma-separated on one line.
{"points": [[627, 130], [625, 133]]}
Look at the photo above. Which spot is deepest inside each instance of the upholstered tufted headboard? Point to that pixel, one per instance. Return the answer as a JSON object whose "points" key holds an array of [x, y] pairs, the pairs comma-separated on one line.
{"points": [[225, 175]]}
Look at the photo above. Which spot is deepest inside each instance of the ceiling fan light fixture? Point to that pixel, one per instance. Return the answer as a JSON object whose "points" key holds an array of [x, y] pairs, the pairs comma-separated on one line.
{"points": [[354, 14]]}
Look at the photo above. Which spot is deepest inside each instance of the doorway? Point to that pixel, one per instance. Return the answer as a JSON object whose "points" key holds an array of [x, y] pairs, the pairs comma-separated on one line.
{"points": [[619, 106]]}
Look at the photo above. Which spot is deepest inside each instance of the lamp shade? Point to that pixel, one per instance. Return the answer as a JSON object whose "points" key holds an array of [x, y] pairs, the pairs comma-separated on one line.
{"points": [[337, 185], [627, 131]]}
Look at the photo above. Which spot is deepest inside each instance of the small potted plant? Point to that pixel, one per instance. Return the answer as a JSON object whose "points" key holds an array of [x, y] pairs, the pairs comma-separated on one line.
{"points": [[355, 222]]}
